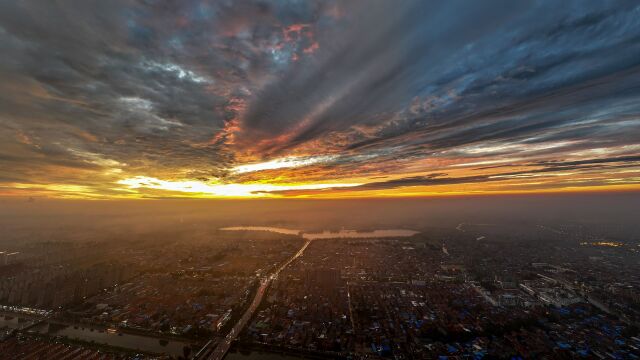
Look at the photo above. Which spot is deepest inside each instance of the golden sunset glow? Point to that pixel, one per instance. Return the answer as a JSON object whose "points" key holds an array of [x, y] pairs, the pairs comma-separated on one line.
{"points": [[290, 162], [222, 190], [314, 106]]}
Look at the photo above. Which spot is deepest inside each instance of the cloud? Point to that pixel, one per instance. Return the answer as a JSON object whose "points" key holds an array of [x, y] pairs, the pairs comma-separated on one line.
{"points": [[283, 163], [548, 169], [221, 190], [285, 92]]}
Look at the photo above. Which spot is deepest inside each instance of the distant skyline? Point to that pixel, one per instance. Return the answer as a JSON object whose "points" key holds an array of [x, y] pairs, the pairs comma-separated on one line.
{"points": [[318, 99]]}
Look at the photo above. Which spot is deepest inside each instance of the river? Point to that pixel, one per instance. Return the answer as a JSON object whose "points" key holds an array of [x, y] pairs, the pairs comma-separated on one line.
{"points": [[129, 341], [14, 321]]}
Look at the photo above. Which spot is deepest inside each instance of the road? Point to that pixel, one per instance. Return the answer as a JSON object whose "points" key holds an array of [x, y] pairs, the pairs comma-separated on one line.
{"points": [[223, 346], [484, 294]]}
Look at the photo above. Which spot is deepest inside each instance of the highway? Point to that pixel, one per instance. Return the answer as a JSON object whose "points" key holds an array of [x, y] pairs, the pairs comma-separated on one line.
{"points": [[223, 346]]}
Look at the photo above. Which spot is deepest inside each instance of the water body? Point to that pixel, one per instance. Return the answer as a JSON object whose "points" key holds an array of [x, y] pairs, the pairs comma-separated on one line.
{"points": [[14, 322], [129, 341], [342, 234], [263, 228], [353, 234]]}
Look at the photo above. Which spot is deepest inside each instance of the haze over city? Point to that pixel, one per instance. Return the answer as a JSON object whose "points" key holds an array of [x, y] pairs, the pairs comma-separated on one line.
{"points": [[295, 179]]}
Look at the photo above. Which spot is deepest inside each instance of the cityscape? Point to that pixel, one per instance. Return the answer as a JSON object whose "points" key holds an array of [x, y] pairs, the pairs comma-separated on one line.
{"points": [[194, 288], [319, 179]]}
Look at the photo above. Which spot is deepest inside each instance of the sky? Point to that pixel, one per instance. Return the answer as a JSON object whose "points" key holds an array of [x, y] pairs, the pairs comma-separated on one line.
{"points": [[317, 99]]}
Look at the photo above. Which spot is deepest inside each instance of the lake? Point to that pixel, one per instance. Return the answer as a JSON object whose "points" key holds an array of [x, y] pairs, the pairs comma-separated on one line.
{"points": [[263, 228], [353, 234], [342, 234]]}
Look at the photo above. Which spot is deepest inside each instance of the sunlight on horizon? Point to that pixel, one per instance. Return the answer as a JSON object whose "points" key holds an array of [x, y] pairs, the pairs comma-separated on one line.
{"points": [[223, 190]]}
